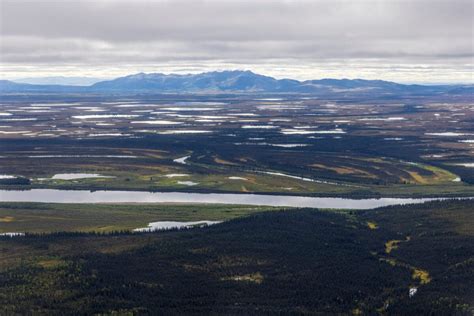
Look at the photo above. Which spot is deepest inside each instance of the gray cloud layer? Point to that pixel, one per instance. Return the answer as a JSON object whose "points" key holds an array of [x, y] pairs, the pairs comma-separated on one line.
{"points": [[416, 39]]}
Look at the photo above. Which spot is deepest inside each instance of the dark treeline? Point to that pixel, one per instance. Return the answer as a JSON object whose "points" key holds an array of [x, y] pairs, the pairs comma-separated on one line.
{"points": [[287, 262], [15, 181]]}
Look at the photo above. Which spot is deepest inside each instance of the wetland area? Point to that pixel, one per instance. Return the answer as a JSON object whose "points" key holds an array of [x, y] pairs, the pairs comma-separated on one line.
{"points": [[244, 198]]}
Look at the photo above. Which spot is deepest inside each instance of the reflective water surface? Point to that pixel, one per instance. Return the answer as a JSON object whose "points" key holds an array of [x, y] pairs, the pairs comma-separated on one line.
{"points": [[84, 196], [163, 225]]}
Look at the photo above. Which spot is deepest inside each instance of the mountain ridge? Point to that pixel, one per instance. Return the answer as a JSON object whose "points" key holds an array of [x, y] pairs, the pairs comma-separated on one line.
{"points": [[235, 81]]}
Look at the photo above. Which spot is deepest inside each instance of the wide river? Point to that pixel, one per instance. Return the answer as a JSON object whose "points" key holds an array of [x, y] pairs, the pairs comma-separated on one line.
{"points": [[83, 196]]}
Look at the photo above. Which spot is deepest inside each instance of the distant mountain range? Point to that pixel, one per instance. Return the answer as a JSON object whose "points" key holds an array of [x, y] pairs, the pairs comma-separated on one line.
{"points": [[235, 82], [60, 80]]}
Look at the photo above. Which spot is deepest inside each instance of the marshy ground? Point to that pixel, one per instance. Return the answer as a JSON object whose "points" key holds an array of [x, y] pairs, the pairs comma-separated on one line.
{"points": [[290, 145]]}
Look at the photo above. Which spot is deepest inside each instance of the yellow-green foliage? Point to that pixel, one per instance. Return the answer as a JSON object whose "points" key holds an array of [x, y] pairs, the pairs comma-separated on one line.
{"points": [[422, 275], [372, 225], [253, 277], [51, 263], [7, 219], [393, 244]]}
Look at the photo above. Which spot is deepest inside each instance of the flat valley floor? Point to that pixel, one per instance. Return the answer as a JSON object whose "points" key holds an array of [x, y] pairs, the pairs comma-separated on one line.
{"points": [[87, 259]]}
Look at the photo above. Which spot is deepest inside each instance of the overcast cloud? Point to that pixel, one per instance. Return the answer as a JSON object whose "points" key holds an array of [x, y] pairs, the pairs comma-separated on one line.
{"points": [[401, 40]]}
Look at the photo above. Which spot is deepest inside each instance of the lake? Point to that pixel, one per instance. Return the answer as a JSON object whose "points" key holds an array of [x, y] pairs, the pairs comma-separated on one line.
{"points": [[84, 196], [164, 225]]}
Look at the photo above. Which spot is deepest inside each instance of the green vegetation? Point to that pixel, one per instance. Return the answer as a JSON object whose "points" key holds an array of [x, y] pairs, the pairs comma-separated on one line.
{"points": [[45, 217], [371, 153], [300, 261], [155, 170]]}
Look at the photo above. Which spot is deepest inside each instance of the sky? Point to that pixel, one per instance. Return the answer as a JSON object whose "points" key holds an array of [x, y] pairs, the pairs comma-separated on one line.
{"points": [[412, 41]]}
